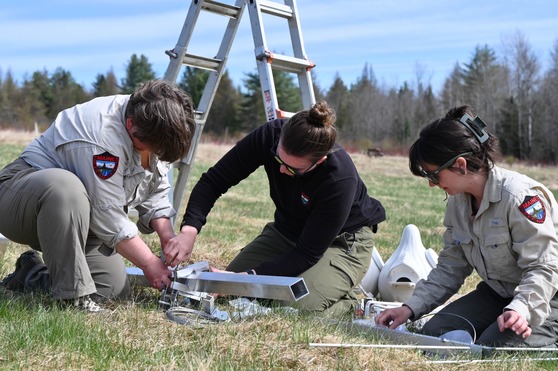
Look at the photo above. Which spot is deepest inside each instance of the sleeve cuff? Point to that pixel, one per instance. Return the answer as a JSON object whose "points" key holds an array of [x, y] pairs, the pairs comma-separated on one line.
{"points": [[521, 308]]}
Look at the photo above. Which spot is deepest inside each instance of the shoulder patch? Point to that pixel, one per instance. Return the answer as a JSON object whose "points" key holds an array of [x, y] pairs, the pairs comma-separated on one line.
{"points": [[533, 209], [105, 165]]}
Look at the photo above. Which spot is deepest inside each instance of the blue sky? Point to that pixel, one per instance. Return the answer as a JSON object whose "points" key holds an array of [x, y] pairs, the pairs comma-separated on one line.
{"points": [[400, 40]]}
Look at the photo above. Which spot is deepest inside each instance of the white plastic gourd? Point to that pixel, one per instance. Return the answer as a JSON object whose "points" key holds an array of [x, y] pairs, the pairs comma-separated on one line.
{"points": [[370, 281], [3, 246], [408, 264]]}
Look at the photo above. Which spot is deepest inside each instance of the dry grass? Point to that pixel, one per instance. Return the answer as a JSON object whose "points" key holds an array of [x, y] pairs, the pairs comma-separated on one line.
{"points": [[17, 137], [135, 335]]}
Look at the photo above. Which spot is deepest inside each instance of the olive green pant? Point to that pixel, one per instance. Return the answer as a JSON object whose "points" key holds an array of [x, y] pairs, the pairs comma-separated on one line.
{"points": [[330, 281], [49, 210]]}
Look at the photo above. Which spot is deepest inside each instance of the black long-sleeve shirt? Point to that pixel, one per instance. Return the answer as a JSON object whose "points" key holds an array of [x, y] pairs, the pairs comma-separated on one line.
{"points": [[311, 210]]}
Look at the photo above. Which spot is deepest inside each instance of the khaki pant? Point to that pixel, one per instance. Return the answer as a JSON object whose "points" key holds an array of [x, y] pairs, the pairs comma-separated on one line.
{"points": [[49, 211], [330, 281]]}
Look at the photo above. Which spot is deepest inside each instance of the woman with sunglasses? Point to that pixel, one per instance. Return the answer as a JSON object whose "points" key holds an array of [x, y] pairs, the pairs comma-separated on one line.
{"points": [[499, 223], [324, 218]]}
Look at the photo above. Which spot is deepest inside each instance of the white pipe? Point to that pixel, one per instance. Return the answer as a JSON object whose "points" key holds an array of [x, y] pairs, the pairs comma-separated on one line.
{"points": [[449, 347], [389, 346], [464, 361]]}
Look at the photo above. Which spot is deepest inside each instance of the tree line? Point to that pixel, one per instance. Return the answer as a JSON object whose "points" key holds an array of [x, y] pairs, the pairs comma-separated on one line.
{"points": [[510, 91]]}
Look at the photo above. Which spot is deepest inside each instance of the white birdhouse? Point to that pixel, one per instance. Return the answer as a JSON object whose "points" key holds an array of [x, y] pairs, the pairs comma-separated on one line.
{"points": [[409, 263]]}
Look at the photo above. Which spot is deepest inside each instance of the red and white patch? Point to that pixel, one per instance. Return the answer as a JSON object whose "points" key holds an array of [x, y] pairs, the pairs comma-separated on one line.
{"points": [[533, 208], [105, 165]]}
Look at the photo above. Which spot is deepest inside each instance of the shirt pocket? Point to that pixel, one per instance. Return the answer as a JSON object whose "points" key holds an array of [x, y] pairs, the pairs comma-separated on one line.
{"points": [[499, 258], [460, 237], [463, 239], [132, 178]]}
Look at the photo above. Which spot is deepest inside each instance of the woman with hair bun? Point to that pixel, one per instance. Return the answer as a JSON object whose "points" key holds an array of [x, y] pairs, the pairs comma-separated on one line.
{"points": [[324, 219], [499, 223]]}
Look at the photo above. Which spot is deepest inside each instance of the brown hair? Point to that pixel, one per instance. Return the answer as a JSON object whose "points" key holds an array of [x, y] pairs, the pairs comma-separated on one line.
{"points": [[163, 116], [310, 133], [447, 137]]}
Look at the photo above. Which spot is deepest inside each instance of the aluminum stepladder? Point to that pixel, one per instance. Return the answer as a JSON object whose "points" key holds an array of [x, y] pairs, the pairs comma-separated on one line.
{"points": [[265, 59]]}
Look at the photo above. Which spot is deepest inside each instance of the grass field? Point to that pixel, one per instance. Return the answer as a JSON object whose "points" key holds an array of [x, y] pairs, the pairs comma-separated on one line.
{"points": [[35, 333]]}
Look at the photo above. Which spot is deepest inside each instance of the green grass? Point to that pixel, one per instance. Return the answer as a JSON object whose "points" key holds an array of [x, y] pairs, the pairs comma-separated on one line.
{"points": [[8, 152], [36, 333]]}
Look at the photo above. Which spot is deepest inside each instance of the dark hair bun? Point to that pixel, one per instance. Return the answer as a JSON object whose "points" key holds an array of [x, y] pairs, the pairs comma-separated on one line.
{"points": [[457, 112], [321, 114]]}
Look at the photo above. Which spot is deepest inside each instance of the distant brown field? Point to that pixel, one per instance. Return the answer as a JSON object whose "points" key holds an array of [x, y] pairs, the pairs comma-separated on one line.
{"points": [[16, 137]]}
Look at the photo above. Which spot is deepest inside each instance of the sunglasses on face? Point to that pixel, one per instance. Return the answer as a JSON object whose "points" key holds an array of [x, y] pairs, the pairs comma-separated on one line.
{"points": [[289, 168], [433, 176]]}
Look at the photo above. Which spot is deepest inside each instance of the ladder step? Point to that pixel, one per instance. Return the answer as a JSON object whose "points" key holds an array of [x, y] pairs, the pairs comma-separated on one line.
{"points": [[211, 64], [285, 62], [273, 8], [221, 8]]}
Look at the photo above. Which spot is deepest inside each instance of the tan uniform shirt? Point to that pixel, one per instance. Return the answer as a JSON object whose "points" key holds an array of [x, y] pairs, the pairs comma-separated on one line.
{"points": [[511, 242], [91, 141]]}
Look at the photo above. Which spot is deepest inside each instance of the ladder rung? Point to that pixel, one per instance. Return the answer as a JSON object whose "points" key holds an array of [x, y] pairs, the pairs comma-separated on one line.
{"points": [[197, 115], [286, 63], [201, 62], [221, 8], [277, 9]]}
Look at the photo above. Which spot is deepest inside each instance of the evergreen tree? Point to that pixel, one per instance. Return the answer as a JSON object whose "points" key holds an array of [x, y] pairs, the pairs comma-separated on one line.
{"points": [[223, 116], [253, 109], [546, 134], [453, 90], [485, 85], [40, 82], [509, 142], [105, 85], [318, 93], [403, 120], [193, 82], [288, 93], [138, 71], [223, 113], [8, 101], [65, 93], [36, 96], [338, 97]]}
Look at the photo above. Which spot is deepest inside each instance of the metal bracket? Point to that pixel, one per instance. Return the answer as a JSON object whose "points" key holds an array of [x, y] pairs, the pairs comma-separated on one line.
{"points": [[191, 285]]}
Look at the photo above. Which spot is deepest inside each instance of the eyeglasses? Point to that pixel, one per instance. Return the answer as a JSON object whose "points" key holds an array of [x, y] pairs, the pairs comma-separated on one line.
{"points": [[433, 176], [289, 168]]}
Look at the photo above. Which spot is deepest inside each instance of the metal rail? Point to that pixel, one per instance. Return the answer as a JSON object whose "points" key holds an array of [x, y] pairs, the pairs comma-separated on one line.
{"points": [[197, 278], [265, 287]]}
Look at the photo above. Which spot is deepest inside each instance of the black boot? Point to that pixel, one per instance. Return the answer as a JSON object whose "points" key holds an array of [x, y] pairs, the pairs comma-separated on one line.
{"points": [[30, 274]]}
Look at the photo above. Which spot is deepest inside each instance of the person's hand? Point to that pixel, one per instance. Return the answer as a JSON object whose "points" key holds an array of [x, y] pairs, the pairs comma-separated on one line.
{"points": [[515, 322], [215, 270], [179, 249], [164, 229], [157, 273], [394, 317]]}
